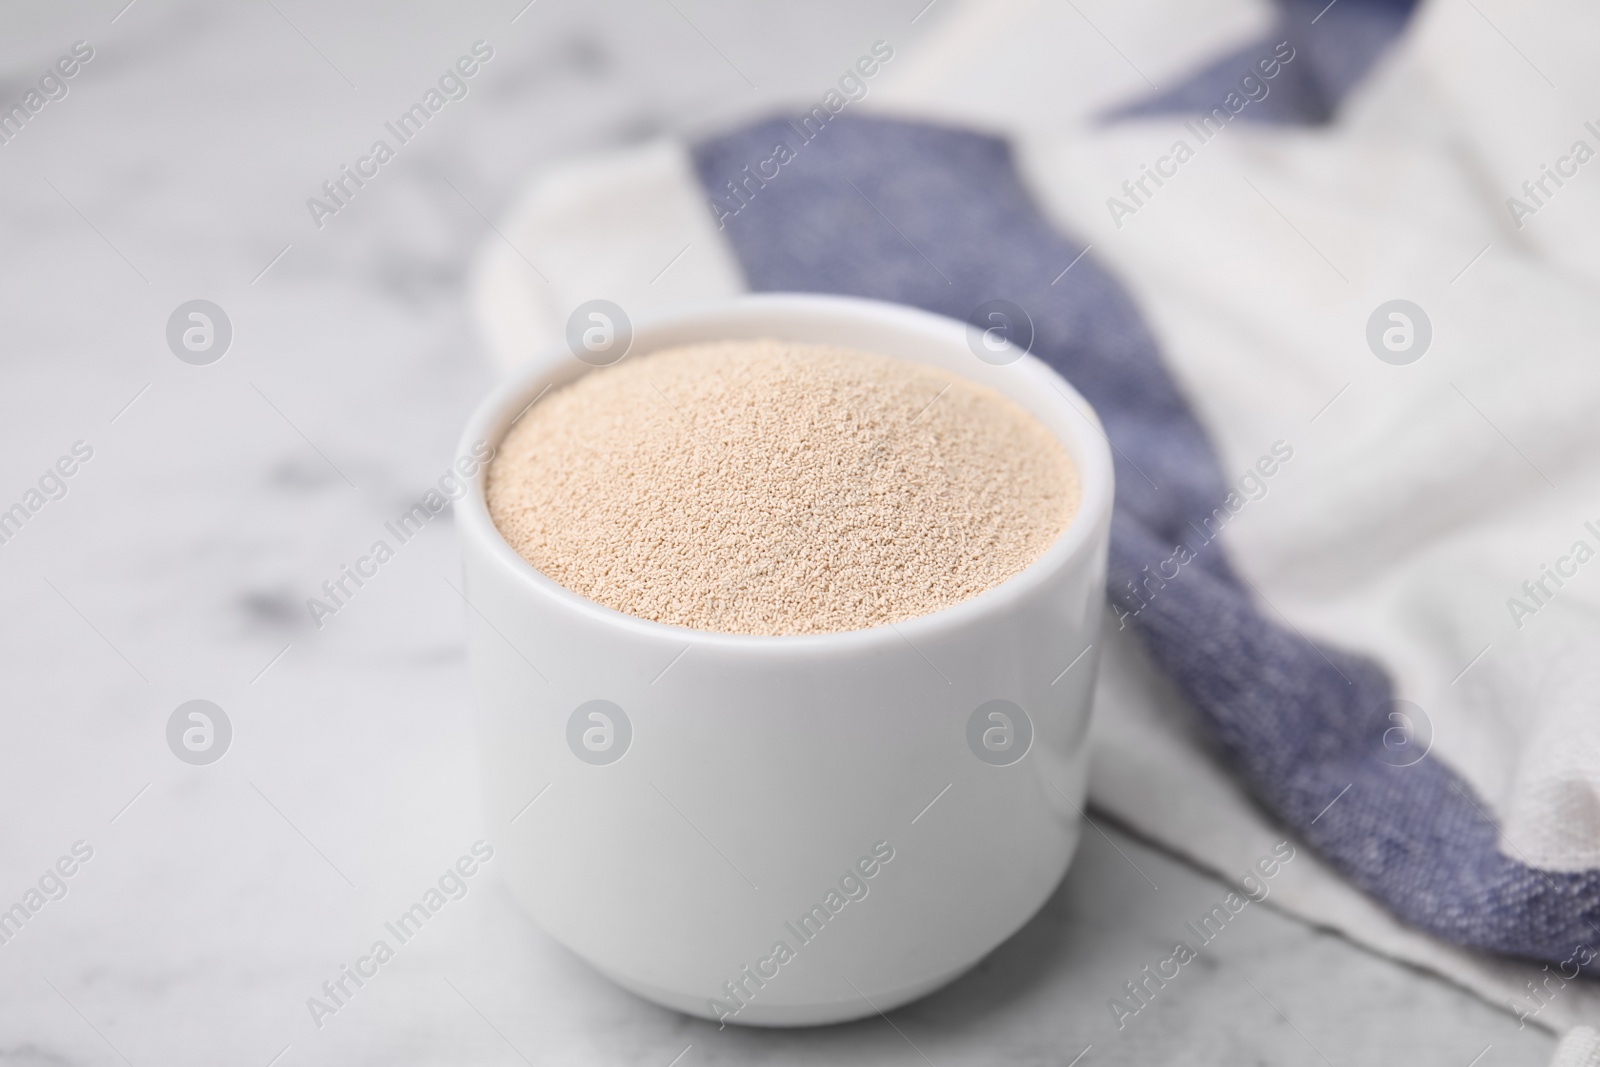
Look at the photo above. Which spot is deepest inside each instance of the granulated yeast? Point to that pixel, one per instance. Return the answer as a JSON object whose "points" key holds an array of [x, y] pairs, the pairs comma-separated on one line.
{"points": [[766, 487]]}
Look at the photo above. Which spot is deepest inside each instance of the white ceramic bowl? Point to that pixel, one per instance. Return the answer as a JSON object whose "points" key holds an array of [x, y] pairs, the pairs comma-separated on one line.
{"points": [[725, 787]]}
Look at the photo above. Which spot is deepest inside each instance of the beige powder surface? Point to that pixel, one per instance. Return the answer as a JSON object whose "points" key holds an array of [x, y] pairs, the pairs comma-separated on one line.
{"points": [[768, 487]]}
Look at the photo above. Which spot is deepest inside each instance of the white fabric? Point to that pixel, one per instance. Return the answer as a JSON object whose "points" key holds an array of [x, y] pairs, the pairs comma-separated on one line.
{"points": [[1579, 1048], [1417, 502], [627, 226]]}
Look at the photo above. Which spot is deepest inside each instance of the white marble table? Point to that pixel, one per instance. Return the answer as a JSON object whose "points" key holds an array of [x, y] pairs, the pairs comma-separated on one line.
{"points": [[218, 498]]}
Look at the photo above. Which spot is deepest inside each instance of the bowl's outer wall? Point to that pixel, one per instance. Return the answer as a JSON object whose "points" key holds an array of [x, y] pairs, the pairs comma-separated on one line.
{"points": [[761, 770]]}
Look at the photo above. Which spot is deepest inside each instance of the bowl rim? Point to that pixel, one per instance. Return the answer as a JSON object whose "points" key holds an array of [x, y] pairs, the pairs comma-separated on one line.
{"points": [[1087, 446]]}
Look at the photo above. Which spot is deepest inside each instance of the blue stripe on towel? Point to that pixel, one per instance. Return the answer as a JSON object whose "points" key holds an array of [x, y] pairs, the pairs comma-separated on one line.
{"points": [[938, 219], [1333, 46]]}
